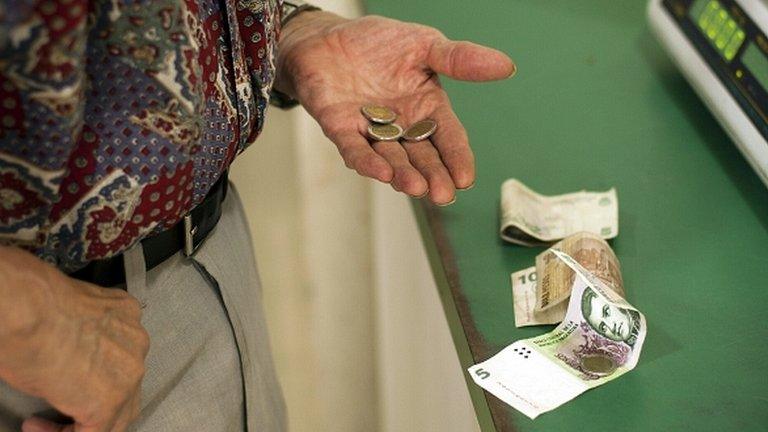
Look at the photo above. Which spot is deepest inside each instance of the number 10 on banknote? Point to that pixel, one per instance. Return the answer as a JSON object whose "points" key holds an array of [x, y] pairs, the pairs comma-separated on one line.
{"points": [[599, 340]]}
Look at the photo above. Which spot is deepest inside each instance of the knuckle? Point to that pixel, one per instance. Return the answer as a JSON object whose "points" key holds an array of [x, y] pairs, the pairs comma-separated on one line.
{"points": [[456, 154], [346, 156], [333, 127], [142, 341], [429, 32], [132, 305], [135, 371], [367, 159], [410, 181], [433, 168], [332, 130]]}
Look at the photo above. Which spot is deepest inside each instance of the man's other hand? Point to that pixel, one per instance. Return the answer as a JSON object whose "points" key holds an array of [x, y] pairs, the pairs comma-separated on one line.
{"points": [[76, 345], [334, 66]]}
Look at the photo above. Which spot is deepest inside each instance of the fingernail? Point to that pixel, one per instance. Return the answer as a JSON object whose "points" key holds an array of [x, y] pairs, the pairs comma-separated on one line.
{"points": [[514, 71], [422, 195], [467, 188], [448, 203]]}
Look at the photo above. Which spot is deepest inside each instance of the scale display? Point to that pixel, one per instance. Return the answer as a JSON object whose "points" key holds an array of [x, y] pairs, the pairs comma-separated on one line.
{"points": [[733, 46], [719, 26]]}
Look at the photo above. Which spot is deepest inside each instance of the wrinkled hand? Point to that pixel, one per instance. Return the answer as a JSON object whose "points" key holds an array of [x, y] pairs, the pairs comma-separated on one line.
{"points": [[78, 346], [334, 66]]}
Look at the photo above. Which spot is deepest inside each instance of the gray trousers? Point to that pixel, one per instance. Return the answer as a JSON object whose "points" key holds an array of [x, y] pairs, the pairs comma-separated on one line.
{"points": [[209, 366]]}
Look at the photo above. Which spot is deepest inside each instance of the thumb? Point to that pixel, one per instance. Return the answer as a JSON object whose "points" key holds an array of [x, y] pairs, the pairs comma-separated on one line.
{"points": [[467, 61], [37, 424]]}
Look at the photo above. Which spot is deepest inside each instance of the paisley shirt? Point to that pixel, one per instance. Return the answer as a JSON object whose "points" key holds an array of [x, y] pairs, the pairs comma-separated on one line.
{"points": [[117, 116]]}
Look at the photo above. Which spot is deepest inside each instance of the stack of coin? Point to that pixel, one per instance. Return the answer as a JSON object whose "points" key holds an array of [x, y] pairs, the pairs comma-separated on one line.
{"points": [[383, 127], [379, 114]]}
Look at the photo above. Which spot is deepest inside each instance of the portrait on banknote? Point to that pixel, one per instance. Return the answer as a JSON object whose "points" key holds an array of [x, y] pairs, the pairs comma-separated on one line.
{"points": [[609, 320], [605, 337]]}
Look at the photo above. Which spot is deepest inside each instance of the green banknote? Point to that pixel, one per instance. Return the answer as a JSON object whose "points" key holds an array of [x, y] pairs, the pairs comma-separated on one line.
{"points": [[599, 340]]}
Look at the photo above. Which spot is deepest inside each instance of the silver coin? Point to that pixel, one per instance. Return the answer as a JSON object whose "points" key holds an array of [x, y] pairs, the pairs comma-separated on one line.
{"points": [[379, 114], [420, 130], [385, 132], [599, 365]]}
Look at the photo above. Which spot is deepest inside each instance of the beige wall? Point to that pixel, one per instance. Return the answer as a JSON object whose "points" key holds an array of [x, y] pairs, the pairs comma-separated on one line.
{"points": [[358, 336]]}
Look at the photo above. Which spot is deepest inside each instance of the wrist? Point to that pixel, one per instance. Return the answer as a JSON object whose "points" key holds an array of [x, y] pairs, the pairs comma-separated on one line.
{"points": [[306, 26]]}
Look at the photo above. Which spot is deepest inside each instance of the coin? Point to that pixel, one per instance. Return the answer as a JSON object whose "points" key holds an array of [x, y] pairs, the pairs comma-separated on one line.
{"points": [[598, 365], [385, 132], [379, 114], [420, 130]]}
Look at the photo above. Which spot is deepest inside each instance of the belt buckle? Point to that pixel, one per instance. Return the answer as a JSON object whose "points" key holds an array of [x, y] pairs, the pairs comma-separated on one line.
{"points": [[189, 236]]}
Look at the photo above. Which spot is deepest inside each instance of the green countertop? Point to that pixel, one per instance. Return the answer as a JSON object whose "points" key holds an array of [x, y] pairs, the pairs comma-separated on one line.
{"points": [[597, 103]]}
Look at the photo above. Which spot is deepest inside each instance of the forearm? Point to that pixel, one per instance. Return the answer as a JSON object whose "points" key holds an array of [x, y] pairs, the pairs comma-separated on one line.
{"points": [[306, 25]]}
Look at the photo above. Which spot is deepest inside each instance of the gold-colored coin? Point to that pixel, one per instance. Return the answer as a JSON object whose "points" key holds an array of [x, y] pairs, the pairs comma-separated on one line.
{"points": [[385, 132], [379, 114], [598, 364], [420, 130]]}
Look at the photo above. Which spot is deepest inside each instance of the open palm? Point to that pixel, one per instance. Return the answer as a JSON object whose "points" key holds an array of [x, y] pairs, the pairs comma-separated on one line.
{"points": [[374, 60]]}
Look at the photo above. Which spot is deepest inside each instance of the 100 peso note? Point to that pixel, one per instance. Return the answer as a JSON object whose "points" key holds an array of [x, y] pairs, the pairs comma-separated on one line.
{"points": [[556, 277], [549, 282], [530, 219]]}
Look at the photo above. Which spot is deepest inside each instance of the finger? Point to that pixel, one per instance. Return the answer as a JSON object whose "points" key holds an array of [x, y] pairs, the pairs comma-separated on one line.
{"points": [[37, 424], [358, 155], [451, 141], [426, 160], [468, 61], [347, 129], [406, 178]]}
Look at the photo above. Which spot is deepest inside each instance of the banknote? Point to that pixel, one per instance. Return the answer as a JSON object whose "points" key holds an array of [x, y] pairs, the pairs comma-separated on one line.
{"points": [[599, 340], [524, 297], [531, 219], [556, 278]]}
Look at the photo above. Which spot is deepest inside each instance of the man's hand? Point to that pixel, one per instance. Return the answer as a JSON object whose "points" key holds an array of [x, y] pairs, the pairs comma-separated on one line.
{"points": [[334, 66], [76, 345]]}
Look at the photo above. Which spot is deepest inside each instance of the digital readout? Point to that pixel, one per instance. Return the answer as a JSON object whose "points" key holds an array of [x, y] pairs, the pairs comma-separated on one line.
{"points": [[718, 26]]}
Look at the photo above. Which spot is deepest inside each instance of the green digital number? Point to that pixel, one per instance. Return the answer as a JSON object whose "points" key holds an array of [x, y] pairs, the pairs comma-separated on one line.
{"points": [[718, 26], [733, 46]]}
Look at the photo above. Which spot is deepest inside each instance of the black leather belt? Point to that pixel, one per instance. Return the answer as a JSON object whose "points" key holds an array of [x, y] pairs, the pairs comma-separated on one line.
{"points": [[186, 236]]}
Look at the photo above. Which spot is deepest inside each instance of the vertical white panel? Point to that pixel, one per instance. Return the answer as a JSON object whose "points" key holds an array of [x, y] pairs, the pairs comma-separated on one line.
{"points": [[311, 226], [421, 386]]}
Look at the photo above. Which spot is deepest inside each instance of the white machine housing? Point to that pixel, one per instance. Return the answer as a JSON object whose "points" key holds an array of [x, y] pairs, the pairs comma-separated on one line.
{"points": [[708, 85]]}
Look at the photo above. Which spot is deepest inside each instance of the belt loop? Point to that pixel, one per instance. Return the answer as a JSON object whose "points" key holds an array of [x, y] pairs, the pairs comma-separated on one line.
{"points": [[135, 269]]}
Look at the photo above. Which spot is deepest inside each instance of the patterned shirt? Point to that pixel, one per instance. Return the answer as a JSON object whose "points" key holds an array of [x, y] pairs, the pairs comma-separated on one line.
{"points": [[117, 116]]}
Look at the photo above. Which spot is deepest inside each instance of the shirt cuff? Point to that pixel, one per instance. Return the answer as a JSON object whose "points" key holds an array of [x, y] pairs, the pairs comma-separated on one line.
{"points": [[291, 9]]}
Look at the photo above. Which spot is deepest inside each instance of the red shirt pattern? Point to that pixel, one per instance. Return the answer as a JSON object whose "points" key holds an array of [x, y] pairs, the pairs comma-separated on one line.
{"points": [[117, 116]]}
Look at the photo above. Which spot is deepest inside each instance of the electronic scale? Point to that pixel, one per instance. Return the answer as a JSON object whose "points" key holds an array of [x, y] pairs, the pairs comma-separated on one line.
{"points": [[722, 49]]}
